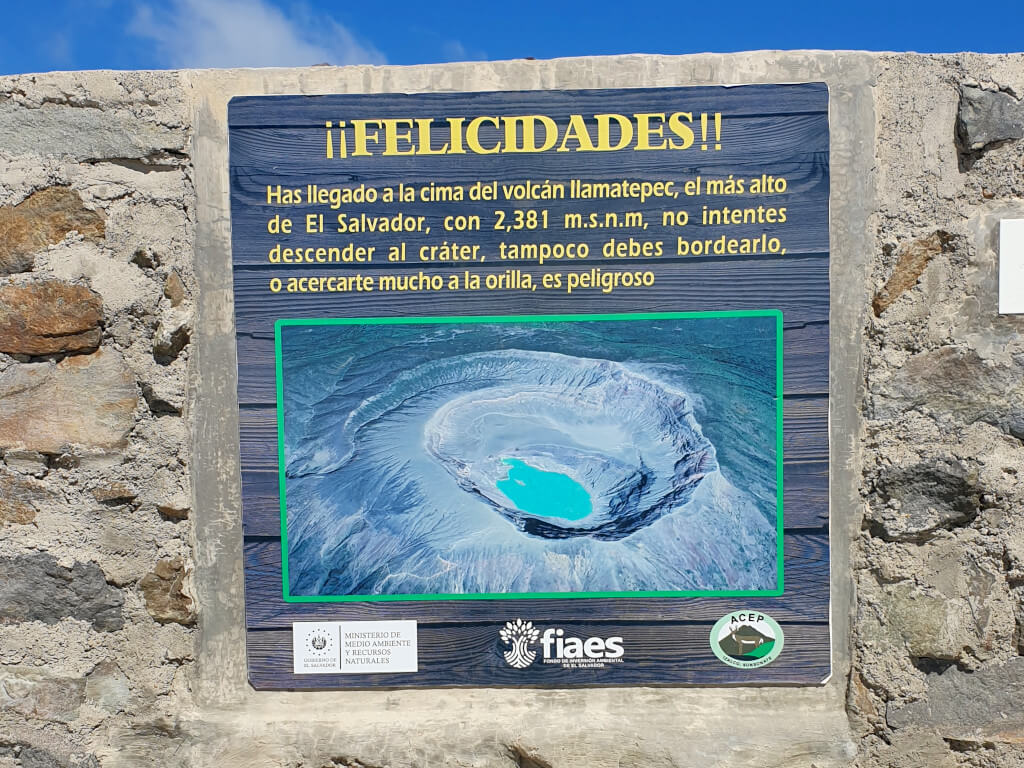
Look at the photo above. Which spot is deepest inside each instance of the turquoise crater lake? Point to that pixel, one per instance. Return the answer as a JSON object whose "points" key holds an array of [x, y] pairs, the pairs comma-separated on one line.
{"points": [[543, 493]]}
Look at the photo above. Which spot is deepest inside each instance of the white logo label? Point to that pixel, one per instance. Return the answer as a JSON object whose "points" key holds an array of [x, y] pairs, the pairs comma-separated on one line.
{"points": [[361, 647], [557, 648]]}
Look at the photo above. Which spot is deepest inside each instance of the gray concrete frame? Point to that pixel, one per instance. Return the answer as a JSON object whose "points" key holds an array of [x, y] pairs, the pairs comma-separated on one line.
{"points": [[592, 727]]}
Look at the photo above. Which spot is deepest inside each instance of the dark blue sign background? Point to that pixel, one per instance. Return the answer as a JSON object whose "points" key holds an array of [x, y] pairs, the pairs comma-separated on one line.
{"points": [[779, 131]]}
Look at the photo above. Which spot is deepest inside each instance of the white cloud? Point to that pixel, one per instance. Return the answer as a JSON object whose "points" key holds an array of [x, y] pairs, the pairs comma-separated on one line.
{"points": [[246, 33]]}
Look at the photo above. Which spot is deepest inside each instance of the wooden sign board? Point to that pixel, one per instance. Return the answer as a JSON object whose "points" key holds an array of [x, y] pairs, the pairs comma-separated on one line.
{"points": [[533, 386]]}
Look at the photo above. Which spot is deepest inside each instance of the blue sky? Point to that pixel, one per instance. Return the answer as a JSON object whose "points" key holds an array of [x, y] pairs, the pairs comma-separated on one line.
{"points": [[154, 34]]}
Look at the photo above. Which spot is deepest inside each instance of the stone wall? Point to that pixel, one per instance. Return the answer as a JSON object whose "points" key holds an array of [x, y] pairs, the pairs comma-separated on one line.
{"points": [[96, 304], [938, 668], [120, 603]]}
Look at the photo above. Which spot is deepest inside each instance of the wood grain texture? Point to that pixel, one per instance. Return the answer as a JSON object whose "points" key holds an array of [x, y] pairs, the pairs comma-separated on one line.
{"points": [[798, 287], [759, 100], [776, 130], [463, 654], [806, 598]]}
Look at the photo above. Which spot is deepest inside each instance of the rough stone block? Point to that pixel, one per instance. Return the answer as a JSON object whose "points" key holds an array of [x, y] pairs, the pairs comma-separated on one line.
{"points": [[956, 608], [35, 694], [929, 625], [107, 687], [86, 133], [987, 116], [35, 588], [49, 317], [27, 462], [42, 219], [19, 498], [175, 510], [911, 261], [952, 380], [163, 590], [174, 288], [172, 334], [912, 502], [23, 755], [86, 400], [168, 492], [165, 395], [981, 706], [954, 568], [113, 493], [915, 749]]}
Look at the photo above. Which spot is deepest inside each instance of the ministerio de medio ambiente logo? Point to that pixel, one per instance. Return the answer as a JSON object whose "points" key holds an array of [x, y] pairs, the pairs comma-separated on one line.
{"points": [[746, 639]]}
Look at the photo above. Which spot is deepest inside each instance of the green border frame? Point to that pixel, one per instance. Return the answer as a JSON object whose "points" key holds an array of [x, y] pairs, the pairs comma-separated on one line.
{"points": [[278, 366]]}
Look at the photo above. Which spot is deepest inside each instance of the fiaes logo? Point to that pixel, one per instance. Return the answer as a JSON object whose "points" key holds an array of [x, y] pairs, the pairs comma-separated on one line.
{"points": [[556, 647], [520, 635], [746, 639], [579, 652]]}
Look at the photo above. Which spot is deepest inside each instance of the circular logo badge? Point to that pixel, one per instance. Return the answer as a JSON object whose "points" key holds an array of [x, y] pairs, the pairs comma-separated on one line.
{"points": [[746, 639], [319, 643]]}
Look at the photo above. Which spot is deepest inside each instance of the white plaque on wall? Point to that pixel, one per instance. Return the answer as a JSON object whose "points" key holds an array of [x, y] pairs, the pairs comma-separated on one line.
{"points": [[1011, 267]]}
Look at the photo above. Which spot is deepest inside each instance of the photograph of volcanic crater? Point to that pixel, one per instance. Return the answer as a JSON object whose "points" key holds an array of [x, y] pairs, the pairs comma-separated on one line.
{"points": [[573, 455]]}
